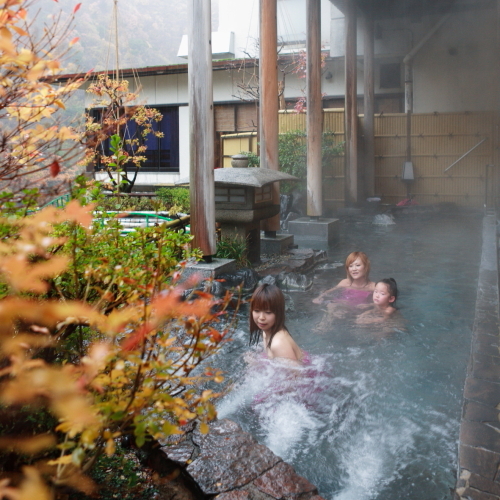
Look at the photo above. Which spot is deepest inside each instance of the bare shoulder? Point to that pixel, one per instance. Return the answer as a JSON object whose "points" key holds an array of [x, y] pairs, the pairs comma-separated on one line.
{"points": [[283, 346], [391, 311], [344, 283], [371, 286]]}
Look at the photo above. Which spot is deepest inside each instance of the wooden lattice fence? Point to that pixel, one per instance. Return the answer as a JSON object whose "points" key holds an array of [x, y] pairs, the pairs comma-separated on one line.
{"points": [[438, 140]]}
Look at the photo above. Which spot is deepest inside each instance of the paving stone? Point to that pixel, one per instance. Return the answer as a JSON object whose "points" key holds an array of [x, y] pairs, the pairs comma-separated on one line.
{"points": [[487, 359], [234, 495], [473, 494], [180, 453], [484, 484], [487, 344], [478, 412], [482, 391], [486, 367], [283, 482], [479, 434], [479, 461], [229, 458]]}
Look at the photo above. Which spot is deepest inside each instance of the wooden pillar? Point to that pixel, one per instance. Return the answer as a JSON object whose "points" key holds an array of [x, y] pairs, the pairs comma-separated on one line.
{"points": [[201, 127], [314, 110], [369, 105], [268, 100], [351, 108]]}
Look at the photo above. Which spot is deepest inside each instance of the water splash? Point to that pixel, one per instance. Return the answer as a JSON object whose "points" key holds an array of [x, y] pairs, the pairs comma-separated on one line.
{"points": [[383, 220]]}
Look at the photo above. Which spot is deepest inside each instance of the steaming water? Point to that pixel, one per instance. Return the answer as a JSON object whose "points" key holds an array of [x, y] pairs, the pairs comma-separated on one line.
{"points": [[375, 415]]}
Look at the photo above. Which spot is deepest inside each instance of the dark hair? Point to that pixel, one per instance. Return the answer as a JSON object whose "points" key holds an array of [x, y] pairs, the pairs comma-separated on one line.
{"points": [[392, 285], [267, 298], [363, 258]]}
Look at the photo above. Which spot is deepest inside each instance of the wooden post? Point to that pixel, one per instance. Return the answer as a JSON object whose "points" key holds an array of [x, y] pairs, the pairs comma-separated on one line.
{"points": [[201, 128], [369, 105], [314, 110], [268, 100], [351, 108]]}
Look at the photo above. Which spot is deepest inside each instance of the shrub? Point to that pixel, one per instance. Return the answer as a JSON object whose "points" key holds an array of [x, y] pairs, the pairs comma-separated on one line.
{"points": [[125, 202], [292, 154], [94, 328], [233, 248], [253, 158], [177, 196]]}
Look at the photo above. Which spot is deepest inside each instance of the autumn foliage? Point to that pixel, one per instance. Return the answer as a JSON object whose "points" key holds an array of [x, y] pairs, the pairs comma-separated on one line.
{"points": [[34, 144], [96, 330], [135, 372]]}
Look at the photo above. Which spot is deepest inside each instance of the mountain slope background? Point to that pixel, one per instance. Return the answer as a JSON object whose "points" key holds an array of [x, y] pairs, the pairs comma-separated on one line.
{"points": [[149, 31]]}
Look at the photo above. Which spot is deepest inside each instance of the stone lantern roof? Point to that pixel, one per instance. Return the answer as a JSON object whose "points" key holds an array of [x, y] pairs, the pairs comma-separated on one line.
{"points": [[251, 176]]}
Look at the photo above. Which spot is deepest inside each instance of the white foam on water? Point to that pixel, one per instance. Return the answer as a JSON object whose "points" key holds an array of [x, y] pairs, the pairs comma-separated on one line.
{"points": [[282, 396], [383, 220], [371, 459], [286, 424]]}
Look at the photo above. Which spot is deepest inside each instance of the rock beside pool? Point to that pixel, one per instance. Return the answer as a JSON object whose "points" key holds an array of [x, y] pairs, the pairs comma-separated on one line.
{"points": [[230, 464]]}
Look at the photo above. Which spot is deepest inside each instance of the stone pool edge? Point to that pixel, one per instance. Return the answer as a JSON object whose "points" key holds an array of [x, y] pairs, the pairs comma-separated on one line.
{"points": [[479, 440]]}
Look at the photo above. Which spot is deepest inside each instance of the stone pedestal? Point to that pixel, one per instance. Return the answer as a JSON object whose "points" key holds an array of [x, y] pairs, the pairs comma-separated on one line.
{"points": [[206, 270], [318, 230], [275, 245]]}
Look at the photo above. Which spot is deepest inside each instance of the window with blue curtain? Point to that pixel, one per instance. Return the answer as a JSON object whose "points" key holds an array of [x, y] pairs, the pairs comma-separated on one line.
{"points": [[162, 153]]}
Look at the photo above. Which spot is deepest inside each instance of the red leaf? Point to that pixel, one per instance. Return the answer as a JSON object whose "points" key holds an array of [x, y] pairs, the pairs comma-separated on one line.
{"points": [[136, 337], [77, 6], [55, 168]]}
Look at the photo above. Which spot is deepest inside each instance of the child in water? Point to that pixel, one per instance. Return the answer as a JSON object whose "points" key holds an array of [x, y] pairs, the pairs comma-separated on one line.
{"points": [[356, 288], [384, 298], [267, 320]]}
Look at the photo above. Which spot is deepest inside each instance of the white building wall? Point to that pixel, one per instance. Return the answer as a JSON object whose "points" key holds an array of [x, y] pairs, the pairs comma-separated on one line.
{"points": [[457, 69]]}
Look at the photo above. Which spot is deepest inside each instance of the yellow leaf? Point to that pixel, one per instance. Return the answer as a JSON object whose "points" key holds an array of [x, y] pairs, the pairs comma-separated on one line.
{"points": [[110, 447], [204, 429], [33, 486], [65, 459], [28, 445], [7, 46]]}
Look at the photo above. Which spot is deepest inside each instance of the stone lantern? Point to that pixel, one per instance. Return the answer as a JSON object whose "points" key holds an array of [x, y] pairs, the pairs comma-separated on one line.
{"points": [[243, 197]]}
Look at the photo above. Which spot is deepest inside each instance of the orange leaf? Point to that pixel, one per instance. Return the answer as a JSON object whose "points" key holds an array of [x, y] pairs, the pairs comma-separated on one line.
{"points": [[74, 41], [55, 168], [77, 6], [26, 277], [82, 215], [19, 31]]}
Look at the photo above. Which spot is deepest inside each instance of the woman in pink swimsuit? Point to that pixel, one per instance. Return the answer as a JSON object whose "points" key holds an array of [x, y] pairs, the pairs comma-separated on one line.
{"points": [[354, 290]]}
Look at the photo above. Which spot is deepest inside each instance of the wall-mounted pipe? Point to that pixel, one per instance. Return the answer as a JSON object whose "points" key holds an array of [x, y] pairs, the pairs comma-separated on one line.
{"points": [[408, 62]]}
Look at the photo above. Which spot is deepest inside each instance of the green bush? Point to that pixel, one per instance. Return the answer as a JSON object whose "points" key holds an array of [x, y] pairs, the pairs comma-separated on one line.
{"points": [[233, 248], [292, 154], [253, 159], [175, 196]]}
